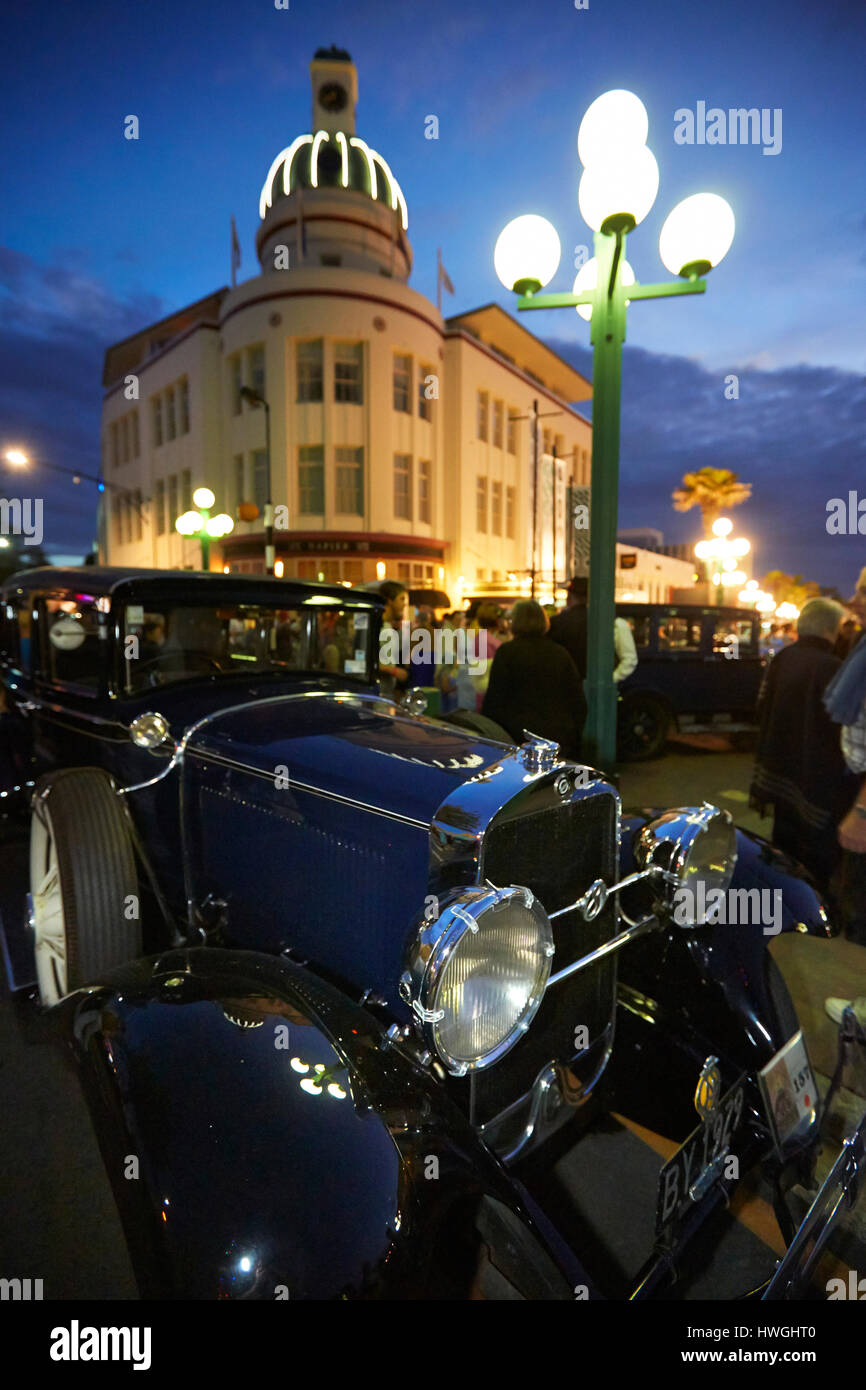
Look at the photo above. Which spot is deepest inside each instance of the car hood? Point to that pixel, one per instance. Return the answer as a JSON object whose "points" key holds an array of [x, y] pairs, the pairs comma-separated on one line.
{"points": [[353, 745]]}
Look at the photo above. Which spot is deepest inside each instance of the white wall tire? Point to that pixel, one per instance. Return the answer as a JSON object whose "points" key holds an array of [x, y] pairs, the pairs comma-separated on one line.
{"points": [[83, 882]]}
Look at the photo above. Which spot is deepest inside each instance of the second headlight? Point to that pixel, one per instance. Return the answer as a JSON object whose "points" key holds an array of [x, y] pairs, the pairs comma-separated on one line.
{"points": [[477, 974]]}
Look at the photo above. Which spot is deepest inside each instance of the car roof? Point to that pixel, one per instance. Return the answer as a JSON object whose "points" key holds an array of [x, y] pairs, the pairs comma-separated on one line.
{"points": [[99, 581]]}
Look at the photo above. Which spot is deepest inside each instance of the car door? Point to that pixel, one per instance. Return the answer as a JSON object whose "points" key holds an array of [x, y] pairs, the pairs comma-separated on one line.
{"points": [[731, 655]]}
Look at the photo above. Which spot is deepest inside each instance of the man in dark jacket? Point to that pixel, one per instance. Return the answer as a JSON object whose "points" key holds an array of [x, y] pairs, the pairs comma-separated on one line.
{"points": [[534, 684], [568, 628], [799, 767]]}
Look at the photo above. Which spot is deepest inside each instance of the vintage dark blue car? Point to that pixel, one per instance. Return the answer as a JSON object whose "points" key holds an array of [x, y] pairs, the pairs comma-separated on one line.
{"points": [[347, 982], [693, 660]]}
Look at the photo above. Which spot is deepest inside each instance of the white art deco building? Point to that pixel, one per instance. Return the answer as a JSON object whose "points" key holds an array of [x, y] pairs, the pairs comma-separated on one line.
{"points": [[401, 442]]}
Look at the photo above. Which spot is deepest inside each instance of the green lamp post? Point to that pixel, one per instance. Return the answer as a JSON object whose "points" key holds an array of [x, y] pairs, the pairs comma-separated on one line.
{"points": [[202, 524], [617, 189]]}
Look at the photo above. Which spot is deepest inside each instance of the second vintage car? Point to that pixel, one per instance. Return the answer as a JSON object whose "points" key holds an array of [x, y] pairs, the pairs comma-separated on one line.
{"points": [[348, 982]]}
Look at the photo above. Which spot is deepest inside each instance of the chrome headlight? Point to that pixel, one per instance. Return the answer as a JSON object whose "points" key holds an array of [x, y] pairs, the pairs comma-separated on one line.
{"points": [[697, 848], [477, 973]]}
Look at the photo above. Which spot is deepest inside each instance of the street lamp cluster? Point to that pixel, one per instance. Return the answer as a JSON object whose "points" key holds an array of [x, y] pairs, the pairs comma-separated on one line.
{"points": [[724, 553], [617, 189], [202, 524]]}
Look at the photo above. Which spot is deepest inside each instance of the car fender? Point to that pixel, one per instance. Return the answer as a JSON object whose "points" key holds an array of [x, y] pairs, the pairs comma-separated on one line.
{"points": [[266, 1138], [714, 989]]}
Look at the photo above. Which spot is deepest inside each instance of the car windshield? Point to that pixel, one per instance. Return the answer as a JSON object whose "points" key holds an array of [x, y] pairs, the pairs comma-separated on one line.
{"points": [[177, 642]]}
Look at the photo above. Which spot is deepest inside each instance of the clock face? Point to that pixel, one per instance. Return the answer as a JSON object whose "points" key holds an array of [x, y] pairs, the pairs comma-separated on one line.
{"points": [[332, 96]]}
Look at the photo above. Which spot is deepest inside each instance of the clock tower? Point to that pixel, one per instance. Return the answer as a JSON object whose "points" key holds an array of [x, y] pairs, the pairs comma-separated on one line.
{"points": [[335, 90]]}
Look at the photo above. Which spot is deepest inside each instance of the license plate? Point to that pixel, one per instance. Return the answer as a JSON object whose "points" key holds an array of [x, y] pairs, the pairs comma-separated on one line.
{"points": [[693, 1169]]}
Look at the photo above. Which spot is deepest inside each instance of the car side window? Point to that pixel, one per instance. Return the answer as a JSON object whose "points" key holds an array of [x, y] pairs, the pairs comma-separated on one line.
{"points": [[734, 636], [640, 628], [71, 643], [679, 634]]}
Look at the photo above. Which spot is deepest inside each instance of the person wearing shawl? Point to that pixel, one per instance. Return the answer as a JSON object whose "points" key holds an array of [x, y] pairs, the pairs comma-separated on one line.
{"points": [[799, 767]]}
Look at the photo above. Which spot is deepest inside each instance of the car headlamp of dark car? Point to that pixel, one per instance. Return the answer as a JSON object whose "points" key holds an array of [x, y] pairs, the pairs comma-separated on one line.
{"points": [[477, 973], [694, 848]]}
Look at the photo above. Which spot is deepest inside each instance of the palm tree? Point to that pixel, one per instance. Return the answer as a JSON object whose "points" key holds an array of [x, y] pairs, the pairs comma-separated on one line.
{"points": [[714, 490]]}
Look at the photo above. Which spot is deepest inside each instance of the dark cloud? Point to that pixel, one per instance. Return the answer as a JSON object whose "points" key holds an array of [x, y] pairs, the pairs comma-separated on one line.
{"points": [[55, 324], [795, 433]]}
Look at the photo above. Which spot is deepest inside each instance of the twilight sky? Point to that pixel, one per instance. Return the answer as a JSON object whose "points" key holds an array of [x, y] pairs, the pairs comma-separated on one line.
{"points": [[100, 235]]}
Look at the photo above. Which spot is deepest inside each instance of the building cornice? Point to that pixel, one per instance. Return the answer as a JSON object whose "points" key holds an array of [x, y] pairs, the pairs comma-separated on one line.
{"points": [[516, 371], [313, 293], [161, 352]]}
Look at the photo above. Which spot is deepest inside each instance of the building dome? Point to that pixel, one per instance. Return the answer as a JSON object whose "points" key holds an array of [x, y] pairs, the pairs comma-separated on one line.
{"points": [[329, 198], [336, 159]]}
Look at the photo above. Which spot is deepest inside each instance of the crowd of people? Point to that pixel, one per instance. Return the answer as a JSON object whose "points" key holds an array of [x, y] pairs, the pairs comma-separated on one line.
{"points": [[522, 671], [810, 761]]}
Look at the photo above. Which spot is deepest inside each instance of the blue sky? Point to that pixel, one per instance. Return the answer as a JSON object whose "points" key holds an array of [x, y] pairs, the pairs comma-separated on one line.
{"points": [[99, 235]]}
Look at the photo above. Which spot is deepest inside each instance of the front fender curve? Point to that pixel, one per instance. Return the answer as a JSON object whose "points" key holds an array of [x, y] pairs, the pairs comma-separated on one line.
{"points": [[283, 1149]]}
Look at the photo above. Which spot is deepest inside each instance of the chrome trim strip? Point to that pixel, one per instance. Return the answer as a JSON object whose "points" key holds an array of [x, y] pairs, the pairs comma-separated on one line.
{"points": [[207, 755]]}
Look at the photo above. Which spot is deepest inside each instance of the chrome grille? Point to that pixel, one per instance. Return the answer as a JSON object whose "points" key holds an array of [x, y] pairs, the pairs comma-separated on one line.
{"points": [[557, 853]]}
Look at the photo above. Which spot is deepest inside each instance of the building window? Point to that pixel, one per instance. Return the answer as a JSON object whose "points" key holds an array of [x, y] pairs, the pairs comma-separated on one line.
{"points": [[404, 572], [186, 490], [309, 366], [117, 518], [240, 479], [115, 445], [170, 418], [424, 467], [256, 369], [329, 259], [481, 505], [425, 403], [138, 516], [156, 406], [403, 383], [559, 446], [135, 438], [173, 512], [260, 478], [350, 481], [403, 486], [498, 411], [511, 437], [236, 380], [496, 510], [483, 413], [124, 439], [311, 479], [509, 513], [183, 393], [547, 438], [127, 516], [159, 507], [348, 372]]}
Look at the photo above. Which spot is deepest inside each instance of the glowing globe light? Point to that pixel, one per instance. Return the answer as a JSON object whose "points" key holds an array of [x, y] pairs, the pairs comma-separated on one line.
{"points": [[697, 234], [752, 584], [587, 279], [616, 121], [188, 524], [527, 253], [16, 457], [723, 527], [622, 188], [203, 497], [220, 525], [738, 547]]}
